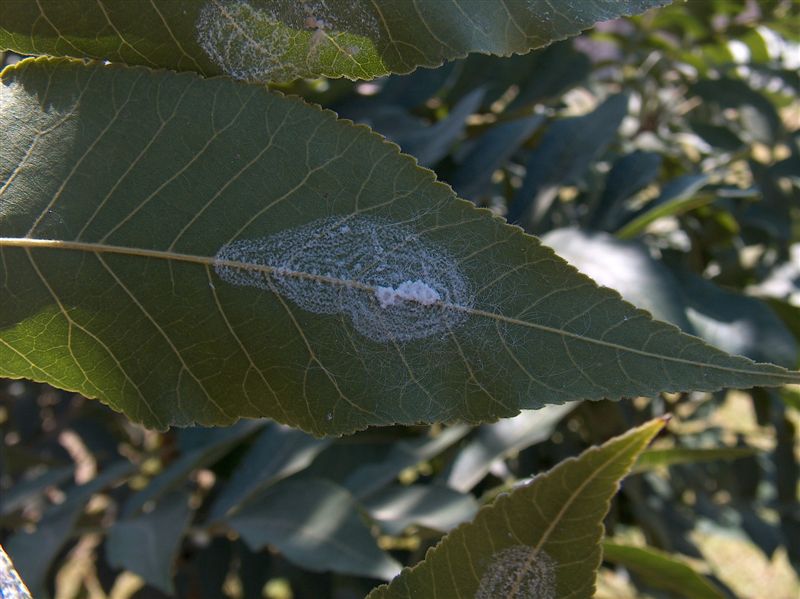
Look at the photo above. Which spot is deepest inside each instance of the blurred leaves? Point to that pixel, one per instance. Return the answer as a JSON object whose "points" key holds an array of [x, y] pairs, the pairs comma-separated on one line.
{"points": [[662, 571], [316, 524]]}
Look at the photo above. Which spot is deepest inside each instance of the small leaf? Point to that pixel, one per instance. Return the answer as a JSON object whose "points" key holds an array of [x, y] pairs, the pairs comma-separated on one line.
{"points": [[149, 232], [493, 441], [277, 453], [630, 174], [489, 152], [315, 524], [364, 468], [541, 540], [678, 196], [147, 544], [662, 571], [430, 144], [433, 506], [654, 458], [257, 40], [26, 490]]}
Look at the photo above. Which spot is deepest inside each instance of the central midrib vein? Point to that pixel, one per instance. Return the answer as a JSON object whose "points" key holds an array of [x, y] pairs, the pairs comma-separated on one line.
{"points": [[101, 248]]}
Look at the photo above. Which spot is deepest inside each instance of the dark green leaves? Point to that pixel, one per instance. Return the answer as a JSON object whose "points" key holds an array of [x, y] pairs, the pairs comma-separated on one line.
{"points": [[147, 544], [260, 40], [149, 232], [662, 571], [540, 540], [316, 524]]}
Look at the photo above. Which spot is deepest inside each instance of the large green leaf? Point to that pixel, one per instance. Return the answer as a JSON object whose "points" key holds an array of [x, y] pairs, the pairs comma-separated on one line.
{"points": [[193, 250], [261, 40], [541, 540]]}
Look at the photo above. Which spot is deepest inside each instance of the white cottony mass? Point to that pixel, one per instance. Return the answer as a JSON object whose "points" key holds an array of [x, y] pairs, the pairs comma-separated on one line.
{"points": [[407, 291]]}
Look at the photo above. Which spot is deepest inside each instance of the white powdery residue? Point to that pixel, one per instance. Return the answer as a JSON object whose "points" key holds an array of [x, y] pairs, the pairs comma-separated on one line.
{"points": [[246, 42], [260, 41], [408, 291], [391, 284], [518, 572]]}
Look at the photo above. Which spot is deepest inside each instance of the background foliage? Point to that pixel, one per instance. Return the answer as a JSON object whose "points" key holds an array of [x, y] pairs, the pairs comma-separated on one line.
{"points": [[661, 155]]}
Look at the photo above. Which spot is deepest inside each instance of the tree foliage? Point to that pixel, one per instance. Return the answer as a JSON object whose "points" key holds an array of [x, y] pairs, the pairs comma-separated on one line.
{"points": [[197, 249]]}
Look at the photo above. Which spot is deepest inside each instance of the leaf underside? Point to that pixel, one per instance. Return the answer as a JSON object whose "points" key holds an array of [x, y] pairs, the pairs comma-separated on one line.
{"points": [[193, 250], [540, 540], [280, 40]]}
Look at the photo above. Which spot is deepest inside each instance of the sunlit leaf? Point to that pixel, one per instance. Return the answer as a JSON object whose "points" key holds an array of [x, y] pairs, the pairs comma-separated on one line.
{"points": [[262, 40], [540, 540]]}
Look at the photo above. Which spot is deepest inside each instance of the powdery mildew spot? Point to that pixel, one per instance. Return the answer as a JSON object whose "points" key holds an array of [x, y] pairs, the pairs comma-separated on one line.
{"points": [[519, 572], [246, 42], [391, 284], [262, 41]]}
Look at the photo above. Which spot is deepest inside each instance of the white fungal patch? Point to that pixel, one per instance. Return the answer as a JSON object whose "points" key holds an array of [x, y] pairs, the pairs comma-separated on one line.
{"points": [[247, 43], [392, 285], [518, 572], [262, 41]]}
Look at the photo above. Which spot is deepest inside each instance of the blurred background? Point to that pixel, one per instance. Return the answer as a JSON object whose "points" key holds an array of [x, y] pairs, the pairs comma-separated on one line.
{"points": [[661, 156]]}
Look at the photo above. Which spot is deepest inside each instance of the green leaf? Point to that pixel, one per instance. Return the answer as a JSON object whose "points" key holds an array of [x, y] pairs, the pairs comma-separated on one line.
{"points": [[662, 571], [26, 491], [678, 196], [541, 540], [630, 174], [654, 458], [11, 586], [628, 268], [317, 525], [147, 545], [259, 40], [277, 453], [735, 322], [433, 506], [149, 227], [364, 468], [563, 155], [498, 439]]}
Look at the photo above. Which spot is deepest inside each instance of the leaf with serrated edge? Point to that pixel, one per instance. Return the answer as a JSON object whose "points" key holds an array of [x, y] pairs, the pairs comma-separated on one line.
{"points": [[149, 228], [540, 540], [280, 40]]}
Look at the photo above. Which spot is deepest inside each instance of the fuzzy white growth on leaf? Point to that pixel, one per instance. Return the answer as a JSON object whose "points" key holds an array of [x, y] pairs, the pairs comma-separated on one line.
{"points": [[283, 39], [246, 42], [519, 572], [393, 286], [411, 291]]}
